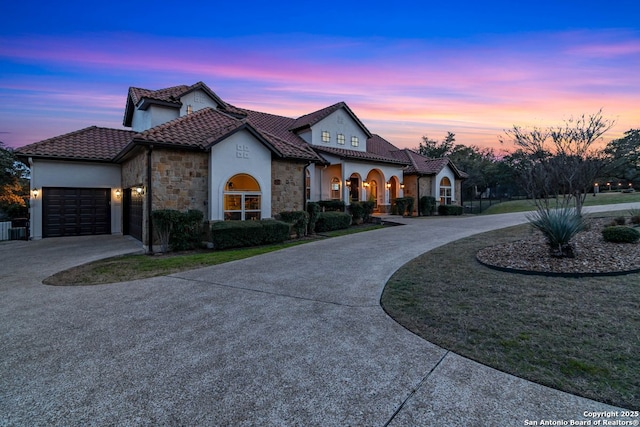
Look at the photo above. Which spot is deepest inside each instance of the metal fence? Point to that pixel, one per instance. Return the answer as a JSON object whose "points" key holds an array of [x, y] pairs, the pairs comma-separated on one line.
{"points": [[4, 230], [9, 232]]}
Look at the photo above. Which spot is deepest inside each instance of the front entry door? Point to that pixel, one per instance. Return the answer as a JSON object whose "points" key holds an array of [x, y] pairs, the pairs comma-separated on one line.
{"points": [[354, 192]]}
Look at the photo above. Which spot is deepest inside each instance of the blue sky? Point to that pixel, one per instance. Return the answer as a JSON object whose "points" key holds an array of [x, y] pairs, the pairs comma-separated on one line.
{"points": [[406, 69]]}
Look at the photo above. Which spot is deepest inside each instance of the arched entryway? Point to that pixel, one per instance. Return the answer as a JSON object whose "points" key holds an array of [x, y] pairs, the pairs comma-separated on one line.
{"points": [[375, 188], [394, 187], [354, 188], [373, 193], [242, 198]]}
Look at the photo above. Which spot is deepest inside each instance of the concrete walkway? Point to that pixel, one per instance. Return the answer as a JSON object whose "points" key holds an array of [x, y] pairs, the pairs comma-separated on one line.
{"points": [[294, 337]]}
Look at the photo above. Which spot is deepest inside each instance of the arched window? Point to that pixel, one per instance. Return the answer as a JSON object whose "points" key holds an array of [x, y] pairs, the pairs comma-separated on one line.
{"points": [[335, 188], [445, 191], [242, 198]]}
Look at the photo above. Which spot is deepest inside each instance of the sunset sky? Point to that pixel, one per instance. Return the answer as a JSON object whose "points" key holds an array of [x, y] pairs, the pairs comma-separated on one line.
{"points": [[407, 69]]}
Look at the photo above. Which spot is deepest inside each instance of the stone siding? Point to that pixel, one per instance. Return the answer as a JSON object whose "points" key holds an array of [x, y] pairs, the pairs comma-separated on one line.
{"points": [[134, 170], [180, 180], [287, 187], [134, 173]]}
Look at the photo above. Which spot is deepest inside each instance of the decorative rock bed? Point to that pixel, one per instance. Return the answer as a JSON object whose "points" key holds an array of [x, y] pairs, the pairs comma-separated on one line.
{"points": [[593, 255]]}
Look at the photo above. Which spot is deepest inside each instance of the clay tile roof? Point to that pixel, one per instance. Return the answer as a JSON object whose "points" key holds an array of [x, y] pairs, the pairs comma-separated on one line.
{"points": [[276, 130], [92, 143], [170, 94], [313, 118], [289, 150], [196, 130], [426, 166], [359, 155]]}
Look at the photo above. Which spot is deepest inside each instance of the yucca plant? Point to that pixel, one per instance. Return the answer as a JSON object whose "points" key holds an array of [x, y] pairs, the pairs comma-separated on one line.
{"points": [[559, 226]]}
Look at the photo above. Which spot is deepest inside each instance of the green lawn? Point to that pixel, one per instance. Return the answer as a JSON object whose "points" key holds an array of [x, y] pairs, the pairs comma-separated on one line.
{"points": [[581, 336], [133, 267], [527, 205]]}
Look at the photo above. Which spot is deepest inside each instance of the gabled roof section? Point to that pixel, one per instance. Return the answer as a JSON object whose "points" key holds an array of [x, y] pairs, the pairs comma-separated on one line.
{"points": [[207, 127], [169, 97], [292, 151], [196, 130], [92, 143], [421, 165], [276, 129], [311, 119], [418, 164]]}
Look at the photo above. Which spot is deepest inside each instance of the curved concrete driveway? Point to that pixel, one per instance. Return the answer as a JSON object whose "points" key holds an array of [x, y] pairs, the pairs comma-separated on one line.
{"points": [[294, 337]]}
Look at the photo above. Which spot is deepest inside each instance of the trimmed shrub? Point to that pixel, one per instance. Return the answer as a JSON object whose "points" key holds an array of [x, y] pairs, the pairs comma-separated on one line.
{"points": [[427, 205], [187, 231], [329, 221], [368, 208], [163, 222], [332, 205], [621, 234], [400, 205], [178, 231], [410, 204], [450, 210], [313, 209], [275, 231], [236, 234], [357, 211], [404, 205], [298, 220], [559, 226]]}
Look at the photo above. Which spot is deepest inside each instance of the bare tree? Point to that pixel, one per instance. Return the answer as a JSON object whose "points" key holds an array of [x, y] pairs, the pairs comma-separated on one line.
{"points": [[560, 164]]}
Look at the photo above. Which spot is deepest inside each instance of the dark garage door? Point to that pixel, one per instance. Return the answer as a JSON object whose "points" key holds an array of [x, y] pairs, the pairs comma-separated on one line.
{"points": [[133, 214], [76, 211]]}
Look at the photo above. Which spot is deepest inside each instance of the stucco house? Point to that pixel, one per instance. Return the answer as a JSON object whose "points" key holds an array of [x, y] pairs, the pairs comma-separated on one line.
{"points": [[189, 149]]}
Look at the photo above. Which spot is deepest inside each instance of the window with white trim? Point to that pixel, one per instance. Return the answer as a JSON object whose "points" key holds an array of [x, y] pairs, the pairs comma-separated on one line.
{"points": [[335, 188], [341, 139], [326, 136], [242, 198], [354, 141], [445, 191]]}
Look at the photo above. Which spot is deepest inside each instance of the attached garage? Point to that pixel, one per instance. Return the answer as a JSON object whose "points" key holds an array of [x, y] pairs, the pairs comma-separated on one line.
{"points": [[133, 204], [76, 211]]}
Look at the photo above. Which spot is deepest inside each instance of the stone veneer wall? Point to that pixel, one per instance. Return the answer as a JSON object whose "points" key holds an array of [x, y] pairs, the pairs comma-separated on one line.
{"points": [[180, 180], [287, 187], [458, 190], [134, 173]]}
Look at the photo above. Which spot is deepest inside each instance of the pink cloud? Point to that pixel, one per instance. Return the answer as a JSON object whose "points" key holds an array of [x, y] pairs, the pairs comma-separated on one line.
{"points": [[401, 89]]}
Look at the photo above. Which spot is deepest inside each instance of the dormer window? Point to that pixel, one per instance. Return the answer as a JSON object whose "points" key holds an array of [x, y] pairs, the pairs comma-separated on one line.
{"points": [[354, 141], [326, 136], [341, 138], [189, 109]]}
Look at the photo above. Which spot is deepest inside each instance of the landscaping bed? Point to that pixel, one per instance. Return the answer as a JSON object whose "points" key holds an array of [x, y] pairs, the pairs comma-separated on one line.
{"points": [[592, 254]]}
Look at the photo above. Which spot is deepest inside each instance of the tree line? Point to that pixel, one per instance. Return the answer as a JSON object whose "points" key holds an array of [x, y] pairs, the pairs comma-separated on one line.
{"points": [[556, 165]]}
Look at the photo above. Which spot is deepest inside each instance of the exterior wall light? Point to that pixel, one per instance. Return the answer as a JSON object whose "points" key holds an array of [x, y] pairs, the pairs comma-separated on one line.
{"points": [[388, 185], [365, 184], [118, 193], [402, 185], [347, 182], [35, 193], [140, 191]]}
